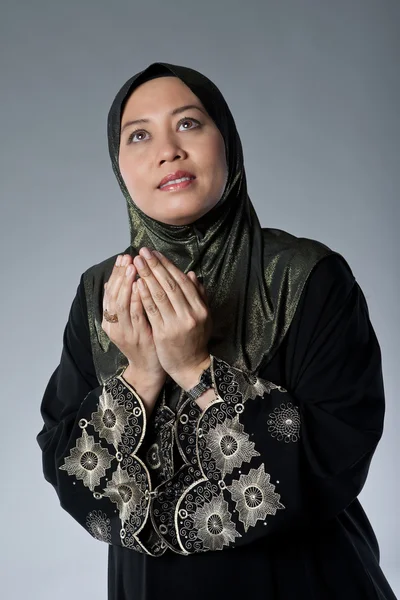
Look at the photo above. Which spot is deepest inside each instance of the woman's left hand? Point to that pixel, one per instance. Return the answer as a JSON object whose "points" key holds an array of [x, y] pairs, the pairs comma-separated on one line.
{"points": [[178, 312]]}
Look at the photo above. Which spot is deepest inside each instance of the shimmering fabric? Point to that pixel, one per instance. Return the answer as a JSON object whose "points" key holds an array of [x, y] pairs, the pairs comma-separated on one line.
{"points": [[306, 428], [256, 496], [252, 275]]}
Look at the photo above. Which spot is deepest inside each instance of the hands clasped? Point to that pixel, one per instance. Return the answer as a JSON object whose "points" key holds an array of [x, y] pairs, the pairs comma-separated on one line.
{"points": [[175, 335]]}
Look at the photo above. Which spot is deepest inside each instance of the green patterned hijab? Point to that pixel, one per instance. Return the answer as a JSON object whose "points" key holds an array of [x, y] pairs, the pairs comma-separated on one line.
{"points": [[253, 276]]}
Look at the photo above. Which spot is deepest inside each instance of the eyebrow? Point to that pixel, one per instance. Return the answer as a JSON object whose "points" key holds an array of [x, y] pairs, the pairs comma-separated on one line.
{"points": [[174, 112]]}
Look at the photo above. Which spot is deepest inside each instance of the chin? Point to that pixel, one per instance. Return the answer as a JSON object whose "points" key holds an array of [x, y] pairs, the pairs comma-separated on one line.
{"points": [[179, 216], [179, 221]]}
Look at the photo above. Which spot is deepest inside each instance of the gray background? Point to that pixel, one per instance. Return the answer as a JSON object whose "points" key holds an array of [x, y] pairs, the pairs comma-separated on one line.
{"points": [[314, 89]]}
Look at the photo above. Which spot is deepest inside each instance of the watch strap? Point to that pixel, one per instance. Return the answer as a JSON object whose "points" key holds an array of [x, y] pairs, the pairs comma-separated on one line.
{"points": [[205, 383]]}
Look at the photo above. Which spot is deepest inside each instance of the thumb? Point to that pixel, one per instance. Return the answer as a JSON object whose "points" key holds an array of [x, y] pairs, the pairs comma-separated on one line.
{"points": [[193, 278]]}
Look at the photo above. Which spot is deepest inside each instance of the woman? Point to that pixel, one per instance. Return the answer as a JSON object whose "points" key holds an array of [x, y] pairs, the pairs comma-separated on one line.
{"points": [[217, 405]]}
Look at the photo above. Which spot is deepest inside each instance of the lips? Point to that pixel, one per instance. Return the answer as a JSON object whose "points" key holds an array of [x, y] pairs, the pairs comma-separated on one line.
{"points": [[176, 175]]}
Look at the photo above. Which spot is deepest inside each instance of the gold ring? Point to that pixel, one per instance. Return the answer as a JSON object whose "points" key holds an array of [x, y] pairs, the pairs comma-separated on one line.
{"points": [[110, 318]]}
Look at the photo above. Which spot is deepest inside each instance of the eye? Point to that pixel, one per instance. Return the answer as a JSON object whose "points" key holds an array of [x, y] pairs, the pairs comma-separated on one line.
{"points": [[132, 135], [186, 119], [131, 138]]}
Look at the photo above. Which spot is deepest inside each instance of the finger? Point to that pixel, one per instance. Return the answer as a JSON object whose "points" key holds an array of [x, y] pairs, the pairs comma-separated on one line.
{"points": [[137, 312], [123, 301], [189, 289], [114, 283], [148, 303], [193, 278], [108, 283], [159, 296], [175, 283]]}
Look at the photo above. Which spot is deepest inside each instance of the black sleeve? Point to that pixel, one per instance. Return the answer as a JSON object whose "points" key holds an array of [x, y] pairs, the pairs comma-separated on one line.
{"points": [[277, 458], [90, 438]]}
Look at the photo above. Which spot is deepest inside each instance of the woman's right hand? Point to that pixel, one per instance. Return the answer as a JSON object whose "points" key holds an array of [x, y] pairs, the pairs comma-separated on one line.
{"points": [[132, 334]]}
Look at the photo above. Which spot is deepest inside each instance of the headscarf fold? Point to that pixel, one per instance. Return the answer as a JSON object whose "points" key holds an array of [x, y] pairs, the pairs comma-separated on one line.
{"points": [[253, 276]]}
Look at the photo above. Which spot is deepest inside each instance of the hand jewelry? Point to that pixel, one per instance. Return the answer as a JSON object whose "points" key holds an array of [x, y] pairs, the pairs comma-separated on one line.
{"points": [[110, 318]]}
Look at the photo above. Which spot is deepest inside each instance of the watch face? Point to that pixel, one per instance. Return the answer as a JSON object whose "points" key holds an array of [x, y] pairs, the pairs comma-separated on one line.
{"points": [[206, 378]]}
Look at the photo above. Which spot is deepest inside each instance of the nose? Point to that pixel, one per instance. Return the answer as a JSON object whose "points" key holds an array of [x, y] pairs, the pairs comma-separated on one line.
{"points": [[169, 149]]}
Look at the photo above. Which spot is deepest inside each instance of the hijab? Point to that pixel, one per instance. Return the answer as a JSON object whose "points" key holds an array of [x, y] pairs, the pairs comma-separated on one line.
{"points": [[253, 276]]}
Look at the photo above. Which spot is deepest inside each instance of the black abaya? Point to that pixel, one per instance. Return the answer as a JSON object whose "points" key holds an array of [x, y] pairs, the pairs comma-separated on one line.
{"points": [[290, 524]]}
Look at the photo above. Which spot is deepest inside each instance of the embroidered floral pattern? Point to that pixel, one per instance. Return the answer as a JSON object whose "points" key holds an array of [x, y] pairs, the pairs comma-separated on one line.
{"points": [[135, 474], [214, 525], [110, 419], [99, 526], [230, 445], [254, 496], [124, 491], [153, 456], [284, 423], [236, 386], [88, 461], [188, 510]]}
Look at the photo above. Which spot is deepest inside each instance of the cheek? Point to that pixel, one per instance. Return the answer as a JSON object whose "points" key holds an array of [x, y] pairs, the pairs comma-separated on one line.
{"points": [[130, 173], [214, 157], [123, 167], [220, 165], [219, 152]]}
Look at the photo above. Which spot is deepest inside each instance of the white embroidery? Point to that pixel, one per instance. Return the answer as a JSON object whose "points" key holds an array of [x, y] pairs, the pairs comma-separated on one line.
{"points": [[234, 385], [284, 423], [252, 386], [254, 496], [214, 525], [99, 525], [124, 492], [88, 461], [230, 445], [153, 456], [110, 419]]}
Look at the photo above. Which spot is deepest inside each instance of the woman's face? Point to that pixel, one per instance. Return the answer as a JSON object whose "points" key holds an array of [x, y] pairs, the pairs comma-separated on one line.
{"points": [[166, 143]]}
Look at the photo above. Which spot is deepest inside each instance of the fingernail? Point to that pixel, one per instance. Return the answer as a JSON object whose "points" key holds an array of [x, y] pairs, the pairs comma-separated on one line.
{"points": [[157, 253], [118, 261], [146, 253], [139, 262], [129, 271]]}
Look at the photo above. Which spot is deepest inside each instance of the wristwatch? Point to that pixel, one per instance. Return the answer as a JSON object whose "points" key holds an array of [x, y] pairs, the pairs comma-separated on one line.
{"points": [[205, 383]]}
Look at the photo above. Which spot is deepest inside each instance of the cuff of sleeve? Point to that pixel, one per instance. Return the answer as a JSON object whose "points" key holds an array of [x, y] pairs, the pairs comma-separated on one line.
{"points": [[127, 408]]}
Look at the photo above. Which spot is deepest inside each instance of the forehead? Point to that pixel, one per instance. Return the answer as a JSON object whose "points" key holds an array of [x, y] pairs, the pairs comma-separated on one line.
{"points": [[159, 95]]}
